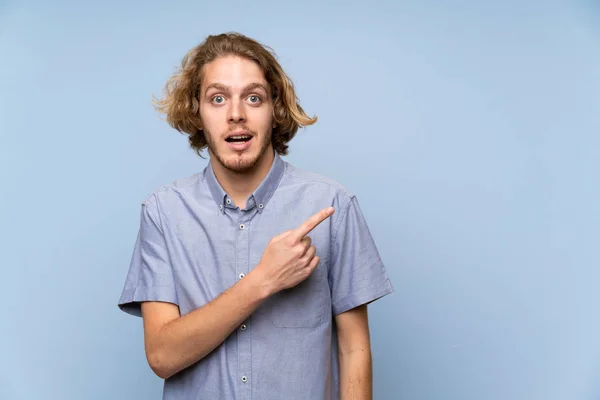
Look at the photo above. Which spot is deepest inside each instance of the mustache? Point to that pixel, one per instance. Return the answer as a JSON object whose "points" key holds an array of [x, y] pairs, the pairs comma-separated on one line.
{"points": [[240, 128]]}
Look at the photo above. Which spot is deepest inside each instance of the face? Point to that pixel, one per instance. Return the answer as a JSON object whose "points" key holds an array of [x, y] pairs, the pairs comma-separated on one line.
{"points": [[236, 111]]}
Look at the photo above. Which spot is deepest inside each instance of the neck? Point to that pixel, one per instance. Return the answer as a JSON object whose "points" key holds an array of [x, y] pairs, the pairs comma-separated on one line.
{"points": [[239, 185]]}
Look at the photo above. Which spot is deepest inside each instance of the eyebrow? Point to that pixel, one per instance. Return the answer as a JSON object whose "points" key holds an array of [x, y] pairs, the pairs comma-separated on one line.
{"points": [[225, 88]]}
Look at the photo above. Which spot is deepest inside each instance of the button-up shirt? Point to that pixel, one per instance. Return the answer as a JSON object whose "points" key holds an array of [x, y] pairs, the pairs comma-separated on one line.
{"points": [[194, 243]]}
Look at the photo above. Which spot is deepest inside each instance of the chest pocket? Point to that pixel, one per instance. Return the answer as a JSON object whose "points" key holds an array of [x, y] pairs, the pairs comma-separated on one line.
{"points": [[304, 305]]}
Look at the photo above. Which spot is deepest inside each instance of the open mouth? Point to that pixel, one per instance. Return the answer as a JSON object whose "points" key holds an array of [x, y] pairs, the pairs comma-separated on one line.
{"points": [[238, 139]]}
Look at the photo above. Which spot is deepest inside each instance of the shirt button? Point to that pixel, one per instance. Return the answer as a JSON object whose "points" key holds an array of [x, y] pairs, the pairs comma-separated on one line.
{"points": [[242, 275], [228, 201], [242, 226], [260, 206], [243, 327], [221, 206], [244, 379]]}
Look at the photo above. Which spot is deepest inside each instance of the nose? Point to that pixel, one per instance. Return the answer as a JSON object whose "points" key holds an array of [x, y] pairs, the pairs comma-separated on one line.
{"points": [[237, 113]]}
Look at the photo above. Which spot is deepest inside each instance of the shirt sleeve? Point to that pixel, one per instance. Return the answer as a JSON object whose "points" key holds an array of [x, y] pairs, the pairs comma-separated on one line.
{"points": [[150, 276], [357, 275]]}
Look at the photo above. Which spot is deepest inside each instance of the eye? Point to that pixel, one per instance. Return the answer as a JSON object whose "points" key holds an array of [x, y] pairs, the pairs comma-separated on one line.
{"points": [[254, 99], [218, 99]]}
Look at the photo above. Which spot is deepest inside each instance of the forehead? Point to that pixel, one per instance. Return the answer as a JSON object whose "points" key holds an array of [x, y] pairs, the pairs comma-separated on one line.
{"points": [[232, 71]]}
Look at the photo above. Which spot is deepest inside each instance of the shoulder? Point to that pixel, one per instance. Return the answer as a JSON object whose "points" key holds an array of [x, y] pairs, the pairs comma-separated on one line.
{"points": [[173, 188], [316, 184]]}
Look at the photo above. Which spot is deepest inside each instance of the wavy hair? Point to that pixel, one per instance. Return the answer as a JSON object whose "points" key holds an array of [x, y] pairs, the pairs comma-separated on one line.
{"points": [[181, 101]]}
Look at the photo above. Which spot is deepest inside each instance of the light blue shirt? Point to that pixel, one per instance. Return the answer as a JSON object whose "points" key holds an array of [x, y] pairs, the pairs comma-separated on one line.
{"points": [[194, 243]]}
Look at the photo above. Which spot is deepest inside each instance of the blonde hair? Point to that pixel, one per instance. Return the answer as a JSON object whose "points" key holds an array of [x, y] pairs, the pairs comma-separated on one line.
{"points": [[181, 102]]}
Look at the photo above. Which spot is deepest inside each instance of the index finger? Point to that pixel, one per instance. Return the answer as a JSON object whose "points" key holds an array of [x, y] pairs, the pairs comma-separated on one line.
{"points": [[312, 223]]}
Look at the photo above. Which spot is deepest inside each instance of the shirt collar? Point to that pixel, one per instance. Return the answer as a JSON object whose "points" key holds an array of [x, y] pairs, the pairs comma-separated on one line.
{"points": [[261, 195]]}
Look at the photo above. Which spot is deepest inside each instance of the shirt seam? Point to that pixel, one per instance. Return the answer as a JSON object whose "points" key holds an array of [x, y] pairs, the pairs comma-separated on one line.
{"points": [[138, 285], [276, 185], [198, 178], [160, 224], [160, 227], [380, 291], [314, 178], [345, 209], [358, 288]]}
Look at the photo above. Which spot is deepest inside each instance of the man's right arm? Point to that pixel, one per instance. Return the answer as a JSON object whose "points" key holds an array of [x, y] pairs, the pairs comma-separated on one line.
{"points": [[173, 342]]}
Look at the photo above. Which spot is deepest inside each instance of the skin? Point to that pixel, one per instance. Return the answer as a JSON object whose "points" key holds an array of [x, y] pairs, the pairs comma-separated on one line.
{"points": [[236, 96], [232, 100]]}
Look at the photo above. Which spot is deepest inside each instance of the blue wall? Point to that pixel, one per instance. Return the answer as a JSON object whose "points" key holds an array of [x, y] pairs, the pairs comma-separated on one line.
{"points": [[469, 131]]}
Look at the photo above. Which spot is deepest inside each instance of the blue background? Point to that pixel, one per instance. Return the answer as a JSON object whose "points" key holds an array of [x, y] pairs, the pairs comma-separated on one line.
{"points": [[468, 130]]}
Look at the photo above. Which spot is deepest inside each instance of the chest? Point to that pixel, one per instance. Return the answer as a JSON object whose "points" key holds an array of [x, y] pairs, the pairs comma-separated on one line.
{"points": [[211, 250]]}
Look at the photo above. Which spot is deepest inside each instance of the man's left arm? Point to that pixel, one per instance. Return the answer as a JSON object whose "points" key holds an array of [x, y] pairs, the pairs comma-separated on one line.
{"points": [[356, 367], [357, 277]]}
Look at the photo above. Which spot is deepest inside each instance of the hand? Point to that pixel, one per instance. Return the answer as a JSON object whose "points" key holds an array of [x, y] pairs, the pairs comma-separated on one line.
{"points": [[290, 258]]}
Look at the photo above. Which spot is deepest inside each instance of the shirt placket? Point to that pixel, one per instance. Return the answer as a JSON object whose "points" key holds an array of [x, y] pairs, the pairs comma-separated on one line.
{"points": [[242, 254]]}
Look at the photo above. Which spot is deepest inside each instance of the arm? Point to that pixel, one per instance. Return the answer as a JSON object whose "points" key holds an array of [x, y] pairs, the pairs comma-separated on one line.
{"points": [[356, 376], [173, 342]]}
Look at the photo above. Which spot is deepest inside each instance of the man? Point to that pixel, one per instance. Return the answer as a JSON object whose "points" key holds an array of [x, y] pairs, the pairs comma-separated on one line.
{"points": [[253, 276]]}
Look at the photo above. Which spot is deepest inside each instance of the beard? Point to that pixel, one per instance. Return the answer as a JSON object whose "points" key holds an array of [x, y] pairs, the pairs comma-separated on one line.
{"points": [[238, 163]]}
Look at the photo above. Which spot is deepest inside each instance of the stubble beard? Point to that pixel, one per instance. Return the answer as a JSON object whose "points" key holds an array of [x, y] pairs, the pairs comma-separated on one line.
{"points": [[238, 163]]}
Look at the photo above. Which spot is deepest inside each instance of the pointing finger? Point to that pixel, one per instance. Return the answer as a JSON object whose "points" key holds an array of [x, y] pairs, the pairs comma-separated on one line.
{"points": [[312, 223]]}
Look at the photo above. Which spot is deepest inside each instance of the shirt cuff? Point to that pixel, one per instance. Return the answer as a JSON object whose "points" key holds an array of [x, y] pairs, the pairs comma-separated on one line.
{"points": [[362, 296], [132, 297]]}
